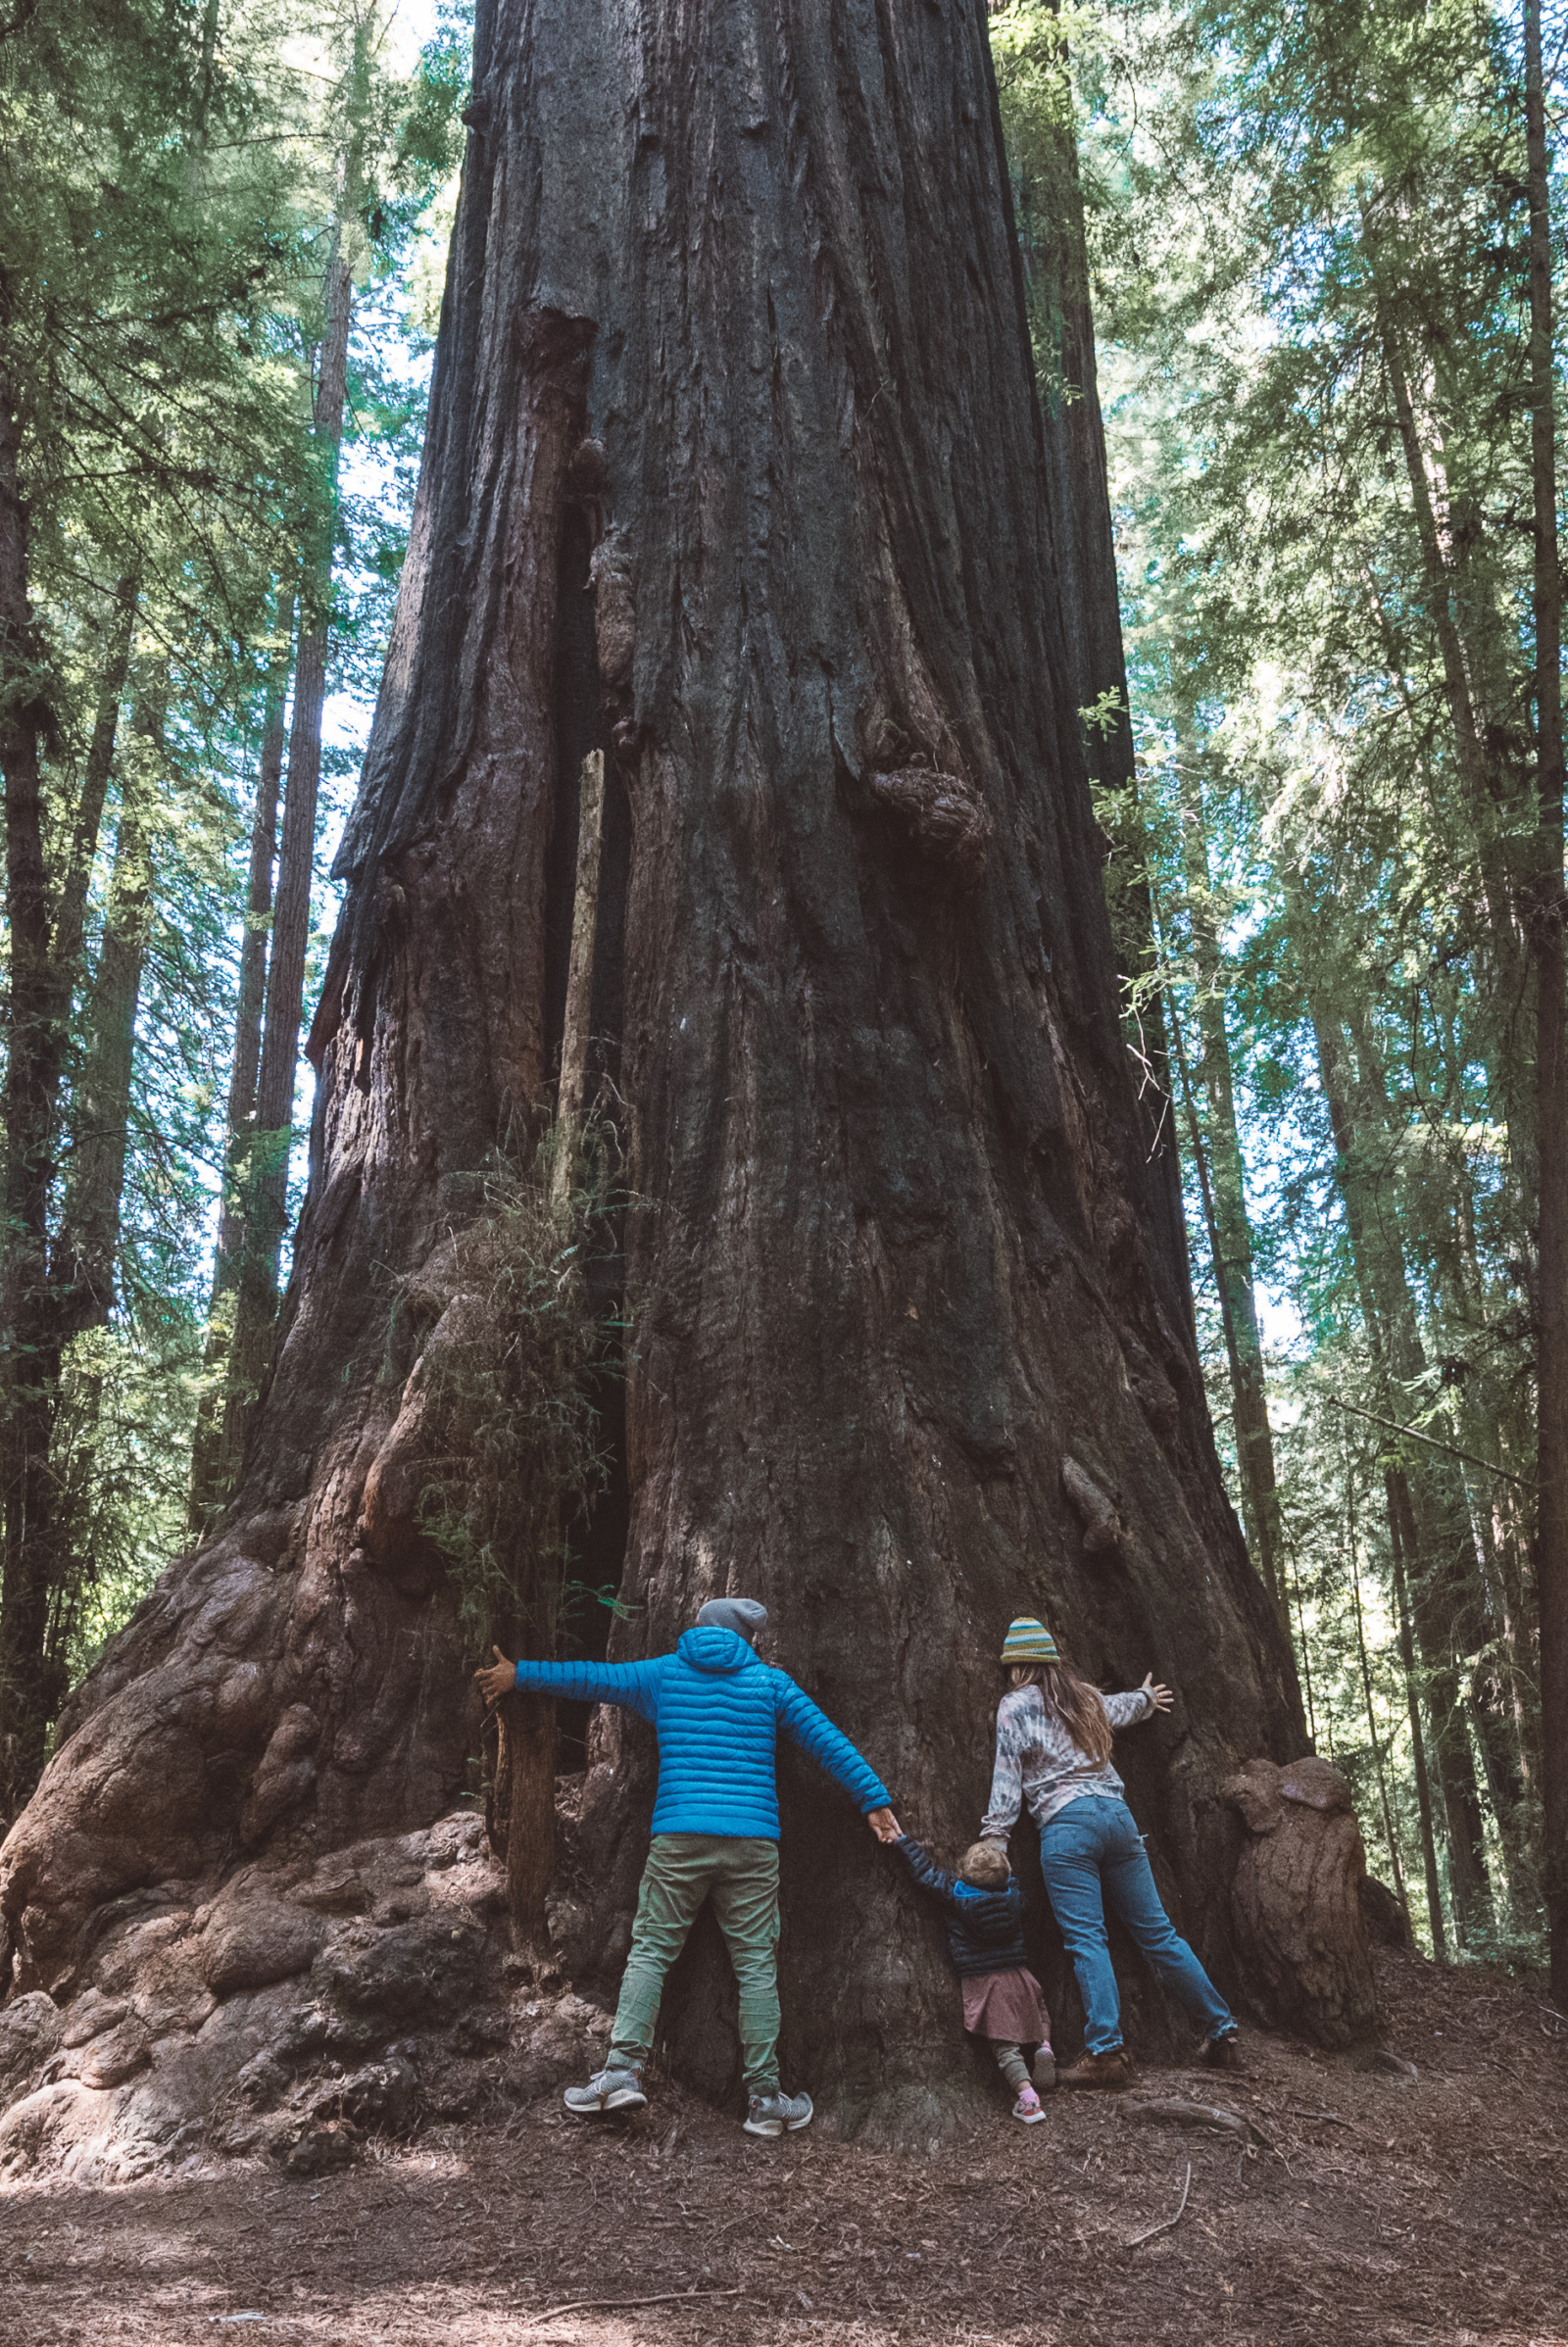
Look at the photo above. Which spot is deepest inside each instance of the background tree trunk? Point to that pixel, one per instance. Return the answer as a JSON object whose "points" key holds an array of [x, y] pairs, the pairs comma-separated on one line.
{"points": [[1230, 1231], [735, 301], [29, 1348], [212, 1459], [1551, 1039], [267, 1176], [1420, 1523], [87, 1250], [46, 971]]}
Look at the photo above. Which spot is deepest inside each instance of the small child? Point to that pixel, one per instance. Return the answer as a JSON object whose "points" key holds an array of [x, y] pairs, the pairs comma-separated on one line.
{"points": [[1002, 1998]]}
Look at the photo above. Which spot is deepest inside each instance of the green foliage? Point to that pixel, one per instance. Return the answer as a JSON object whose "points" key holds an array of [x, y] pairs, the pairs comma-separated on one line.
{"points": [[509, 1377], [171, 180], [1306, 243], [122, 1453]]}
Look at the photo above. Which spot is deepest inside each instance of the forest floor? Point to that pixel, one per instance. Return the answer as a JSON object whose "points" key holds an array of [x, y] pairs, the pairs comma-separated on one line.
{"points": [[1375, 2210]]}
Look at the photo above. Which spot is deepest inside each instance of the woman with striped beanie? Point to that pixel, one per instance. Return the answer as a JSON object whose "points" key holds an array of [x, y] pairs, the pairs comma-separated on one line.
{"points": [[1053, 1742]]}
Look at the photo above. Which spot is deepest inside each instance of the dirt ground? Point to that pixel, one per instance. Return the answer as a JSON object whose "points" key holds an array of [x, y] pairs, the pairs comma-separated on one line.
{"points": [[1376, 2210]]}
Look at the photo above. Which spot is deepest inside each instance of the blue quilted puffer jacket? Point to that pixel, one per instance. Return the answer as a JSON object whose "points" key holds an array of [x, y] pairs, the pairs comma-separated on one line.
{"points": [[716, 1709]]}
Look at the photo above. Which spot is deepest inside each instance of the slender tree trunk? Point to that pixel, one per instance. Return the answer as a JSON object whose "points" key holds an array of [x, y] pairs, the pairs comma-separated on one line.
{"points": [[1551, 1022], [31, 1366], [1418, 1755], [900, 1252], [99, 767], [1463, 713], [266, 1187], [1388, 1835], [212, 1464], [86, 1252], [1377, 1253], [1452, 1590], [85, 1258], [45, 976], [1230, 1231]]}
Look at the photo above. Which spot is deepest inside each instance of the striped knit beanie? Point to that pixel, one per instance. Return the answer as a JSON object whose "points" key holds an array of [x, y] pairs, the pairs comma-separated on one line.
{"points": [[1028, 1640]]}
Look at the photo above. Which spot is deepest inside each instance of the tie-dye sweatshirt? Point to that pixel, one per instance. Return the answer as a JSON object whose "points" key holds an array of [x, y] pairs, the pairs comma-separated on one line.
{"points": [[1038, 1762]]}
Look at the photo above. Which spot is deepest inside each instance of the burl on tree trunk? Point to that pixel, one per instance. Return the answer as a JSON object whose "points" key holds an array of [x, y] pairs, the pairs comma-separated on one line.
{"points": [[735, 471], [1300, 1901]]}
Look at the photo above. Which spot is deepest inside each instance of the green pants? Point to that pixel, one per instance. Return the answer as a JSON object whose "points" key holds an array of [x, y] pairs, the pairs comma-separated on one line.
{"points": [[741, 1878]]}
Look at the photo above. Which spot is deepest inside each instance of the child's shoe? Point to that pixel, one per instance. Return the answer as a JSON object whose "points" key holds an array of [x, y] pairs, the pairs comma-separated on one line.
{"points": [[1028, 2107], [1045, 2069], [606, 2090]]}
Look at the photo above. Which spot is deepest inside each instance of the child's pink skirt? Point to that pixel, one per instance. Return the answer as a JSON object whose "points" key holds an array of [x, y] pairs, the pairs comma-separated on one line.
{"points": [[1009, 2005]]}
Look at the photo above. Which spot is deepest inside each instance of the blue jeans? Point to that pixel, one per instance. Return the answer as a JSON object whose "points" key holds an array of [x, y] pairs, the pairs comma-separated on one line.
{"points": [[1090, 1852]]}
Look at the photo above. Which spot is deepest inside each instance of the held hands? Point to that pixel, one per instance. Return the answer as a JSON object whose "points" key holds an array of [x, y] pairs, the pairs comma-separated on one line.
{"points": [[1160, 1696], [883, 1824], [498, 1678]]}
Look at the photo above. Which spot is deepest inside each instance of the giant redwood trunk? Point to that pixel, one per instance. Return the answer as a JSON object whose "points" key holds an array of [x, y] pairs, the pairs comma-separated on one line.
{"points": [[733, 356]]}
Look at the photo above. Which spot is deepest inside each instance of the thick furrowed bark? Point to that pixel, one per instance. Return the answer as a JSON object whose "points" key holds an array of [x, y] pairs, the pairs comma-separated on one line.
{"points": [[741, 300], [527, 1762]]}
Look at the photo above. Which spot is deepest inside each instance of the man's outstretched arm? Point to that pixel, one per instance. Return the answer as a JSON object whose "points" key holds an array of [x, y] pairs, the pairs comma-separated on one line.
{"points": [[815, 1733], [632, 1684]]}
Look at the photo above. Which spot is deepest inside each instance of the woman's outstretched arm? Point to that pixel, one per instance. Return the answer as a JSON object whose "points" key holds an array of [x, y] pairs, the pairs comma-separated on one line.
{"points": [[1142, 1703]]}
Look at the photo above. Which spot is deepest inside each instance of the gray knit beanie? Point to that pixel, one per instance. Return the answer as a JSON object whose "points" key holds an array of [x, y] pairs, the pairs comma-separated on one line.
{"points": [[743, 1615]]}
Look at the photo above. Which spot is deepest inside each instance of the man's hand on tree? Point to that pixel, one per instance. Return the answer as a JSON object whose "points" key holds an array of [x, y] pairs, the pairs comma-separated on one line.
{"points": [[1160, 1696], [498, 1678], [883, 1824]]}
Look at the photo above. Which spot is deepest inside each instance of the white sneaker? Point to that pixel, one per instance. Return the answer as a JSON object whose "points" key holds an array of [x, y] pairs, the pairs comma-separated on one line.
{"points": [[1028, 2107], [606, 2090], [777, 2114]]}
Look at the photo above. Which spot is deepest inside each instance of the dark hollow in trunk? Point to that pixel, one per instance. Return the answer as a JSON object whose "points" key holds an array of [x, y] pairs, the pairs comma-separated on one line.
{"points": [[739, 298]]}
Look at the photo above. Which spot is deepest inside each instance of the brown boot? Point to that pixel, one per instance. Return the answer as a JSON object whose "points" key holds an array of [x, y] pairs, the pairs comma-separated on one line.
{"points": [[1115, 2068], [1221, 2053]]}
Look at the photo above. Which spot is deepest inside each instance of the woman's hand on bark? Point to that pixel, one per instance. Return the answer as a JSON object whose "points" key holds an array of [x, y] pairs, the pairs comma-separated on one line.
{"points": [[498, 1678], [884, 1825], [1160, 1696]]}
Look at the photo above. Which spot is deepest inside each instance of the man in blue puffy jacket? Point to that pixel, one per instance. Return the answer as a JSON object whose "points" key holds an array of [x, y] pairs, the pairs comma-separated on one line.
{"points": [[716, 1709]]}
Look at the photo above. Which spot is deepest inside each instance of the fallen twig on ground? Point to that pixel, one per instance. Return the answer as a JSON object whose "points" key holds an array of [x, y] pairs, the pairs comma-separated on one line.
{"points": [[1166, 2223], [584, 2306], [1172, 2111]]}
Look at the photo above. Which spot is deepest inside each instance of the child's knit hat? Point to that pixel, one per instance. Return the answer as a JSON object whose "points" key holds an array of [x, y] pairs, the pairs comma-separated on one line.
{"points": [[1029, 1640]]}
